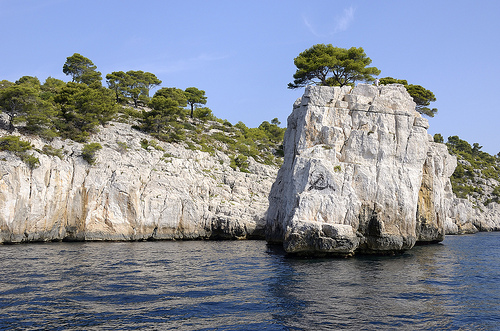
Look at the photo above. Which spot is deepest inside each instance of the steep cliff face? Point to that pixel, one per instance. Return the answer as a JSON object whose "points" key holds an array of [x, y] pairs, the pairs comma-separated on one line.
{"points": [[360, 174], [131, 193], [464, 217], [435, 195]]}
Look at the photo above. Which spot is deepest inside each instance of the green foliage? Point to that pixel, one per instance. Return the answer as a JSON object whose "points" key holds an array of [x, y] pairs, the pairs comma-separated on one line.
{"points": [[390, 80], [132, 84], [438, 138], [133, 113], [174, 94], [17, 101], [20, 148], [14, 144], [337, 168], [162, 120], [129, 115], [263, 144], [5, 83], [119, 81], [463, 190], [474, 166], [144, 143], [23, 102], [194, 98], [164, 113], [332, 66], [204, 114], [239, 162], [153, 143], [273, 132], [31, 161], [74, 110], [51, 88], [423, 99], [29, 81], [144, 81], [82, 70], [420, 95], [51, 151], [84, 108], [89, 152], [459, 146]]}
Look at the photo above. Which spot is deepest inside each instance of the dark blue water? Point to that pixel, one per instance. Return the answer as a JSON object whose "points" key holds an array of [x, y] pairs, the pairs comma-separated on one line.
{"points": [[247, 285]]}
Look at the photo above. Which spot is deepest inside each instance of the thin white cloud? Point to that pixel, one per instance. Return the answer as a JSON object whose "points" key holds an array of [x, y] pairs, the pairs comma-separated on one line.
{"points": [[341, 23], [310, 27]]}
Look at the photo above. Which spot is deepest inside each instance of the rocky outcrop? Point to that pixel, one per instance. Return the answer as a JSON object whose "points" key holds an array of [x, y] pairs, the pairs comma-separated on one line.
{"points": [[465, 218], [132, 193], [361, 174]]}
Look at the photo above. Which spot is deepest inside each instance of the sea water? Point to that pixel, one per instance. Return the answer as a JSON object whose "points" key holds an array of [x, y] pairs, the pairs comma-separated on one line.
{"points": [[247, 285]]}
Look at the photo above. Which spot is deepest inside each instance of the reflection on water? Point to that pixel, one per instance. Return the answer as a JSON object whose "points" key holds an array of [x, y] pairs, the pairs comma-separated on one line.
{"points": [[247, 285]]}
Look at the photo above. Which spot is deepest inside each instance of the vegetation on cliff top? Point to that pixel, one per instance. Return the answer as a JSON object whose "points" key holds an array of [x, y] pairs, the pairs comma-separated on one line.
{"points": [[76, 109], [327, 65], [422, 96]]}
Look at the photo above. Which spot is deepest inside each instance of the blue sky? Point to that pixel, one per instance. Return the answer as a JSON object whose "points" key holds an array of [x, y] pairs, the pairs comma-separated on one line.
{"points": [[241, 52]]}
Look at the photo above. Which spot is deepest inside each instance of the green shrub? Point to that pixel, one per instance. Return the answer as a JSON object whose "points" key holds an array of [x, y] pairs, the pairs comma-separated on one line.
{"points": [[203, 114], [144, 143], [438, 138], [14, 144], [239, 162], [153, 143], [31, 161], [51, 151], [132, 113], [189, 126], [89, 152]]}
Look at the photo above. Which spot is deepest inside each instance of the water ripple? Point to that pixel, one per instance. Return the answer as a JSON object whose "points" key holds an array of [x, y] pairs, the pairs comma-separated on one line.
{"points": [[247, 285]]}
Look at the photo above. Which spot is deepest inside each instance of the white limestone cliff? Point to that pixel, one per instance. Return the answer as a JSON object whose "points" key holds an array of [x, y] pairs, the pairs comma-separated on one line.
{"points": [[360, 174], [359, 168], [465, 218], [131, 193]]}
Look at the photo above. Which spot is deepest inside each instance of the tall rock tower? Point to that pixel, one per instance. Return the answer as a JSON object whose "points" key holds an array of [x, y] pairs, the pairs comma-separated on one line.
{"points": [[361, 174]]}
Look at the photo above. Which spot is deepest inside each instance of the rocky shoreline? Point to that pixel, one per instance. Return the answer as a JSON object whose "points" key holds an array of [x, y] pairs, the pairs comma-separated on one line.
{"points": [[361, 175]]}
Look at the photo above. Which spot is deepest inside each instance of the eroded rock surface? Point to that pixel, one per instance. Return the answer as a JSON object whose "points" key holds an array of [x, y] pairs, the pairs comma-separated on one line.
{"points": [[131, 193], [361, 174]]}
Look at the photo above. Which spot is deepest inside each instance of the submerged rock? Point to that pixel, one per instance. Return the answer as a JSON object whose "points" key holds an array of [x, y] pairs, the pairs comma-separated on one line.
{"points": [[361, 174]]}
